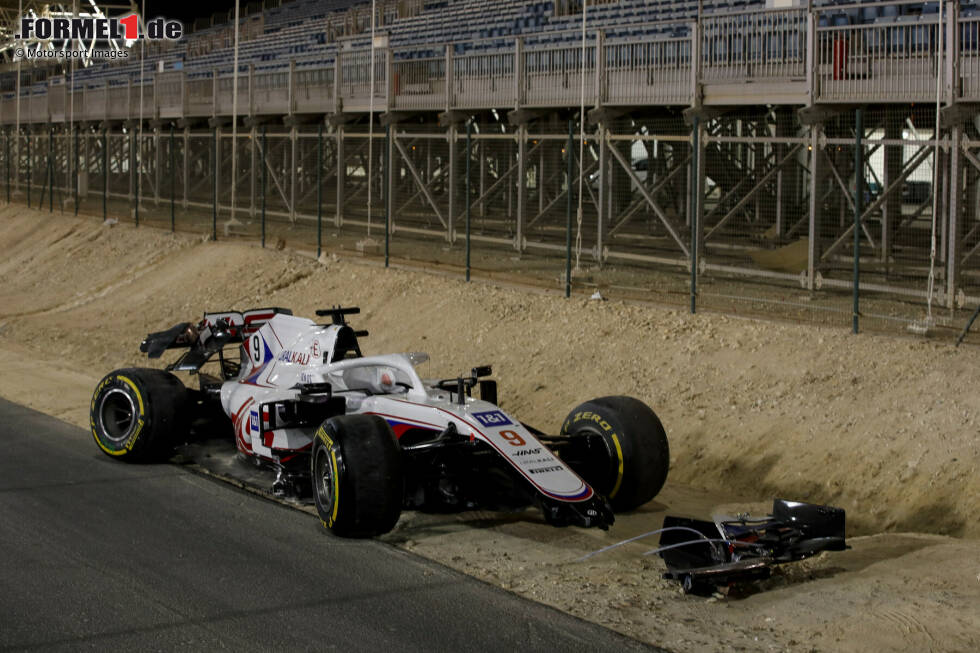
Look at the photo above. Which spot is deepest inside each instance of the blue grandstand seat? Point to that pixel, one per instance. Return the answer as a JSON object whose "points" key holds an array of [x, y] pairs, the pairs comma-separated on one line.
{"points": [[968, 33], [793, 45], [897, 34], [888, 11], [869, 14]]}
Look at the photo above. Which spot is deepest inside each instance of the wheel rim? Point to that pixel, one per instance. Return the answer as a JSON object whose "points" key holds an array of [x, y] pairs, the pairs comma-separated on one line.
{"points": [[593, 459], [118, 415], [323, 479]]}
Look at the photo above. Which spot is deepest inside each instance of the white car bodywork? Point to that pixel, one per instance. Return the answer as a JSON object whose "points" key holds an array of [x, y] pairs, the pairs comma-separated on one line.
{"points": [[286, 353]]}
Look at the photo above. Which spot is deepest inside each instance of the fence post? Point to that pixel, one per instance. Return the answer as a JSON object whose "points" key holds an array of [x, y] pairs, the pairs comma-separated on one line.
{"points": [[8, 165], [569, 157], [51, 170], [214, 183], [469, 131], [858, 208], [77, 172], [263, 186], [105, 174], [387, 188], [135, 175], [44, 188], [319, 190], [173, 180], [695, 217], [28, 169]]}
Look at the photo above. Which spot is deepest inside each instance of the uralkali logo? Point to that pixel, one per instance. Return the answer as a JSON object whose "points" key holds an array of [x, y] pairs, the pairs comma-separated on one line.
{"points": [[128, 28]]}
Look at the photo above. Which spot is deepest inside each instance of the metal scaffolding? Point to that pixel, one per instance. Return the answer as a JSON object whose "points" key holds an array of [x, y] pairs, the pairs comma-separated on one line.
{"points": [[737, 184]]}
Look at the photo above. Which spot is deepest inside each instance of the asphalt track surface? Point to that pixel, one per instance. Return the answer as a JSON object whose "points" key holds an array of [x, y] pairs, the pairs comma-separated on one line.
{"points": [[98, 554]]}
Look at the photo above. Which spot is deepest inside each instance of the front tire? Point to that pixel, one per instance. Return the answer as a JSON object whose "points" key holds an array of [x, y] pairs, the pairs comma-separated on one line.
{"points": [[618, 445], [356, 468], [138, 414]]}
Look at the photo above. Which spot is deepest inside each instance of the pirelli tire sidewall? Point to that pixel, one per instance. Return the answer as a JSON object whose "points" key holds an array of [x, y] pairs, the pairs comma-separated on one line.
{"points": [[637, 456], [356, 471], [138, 414]]}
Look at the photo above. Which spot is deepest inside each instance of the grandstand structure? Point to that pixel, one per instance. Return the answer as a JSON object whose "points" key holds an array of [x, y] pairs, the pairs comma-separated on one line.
{"points": [[724, 138]]}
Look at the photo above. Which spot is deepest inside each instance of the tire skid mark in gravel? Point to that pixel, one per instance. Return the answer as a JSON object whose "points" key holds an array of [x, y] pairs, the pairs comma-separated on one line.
{"points": [[18, 258], [905, 621], [94, 294], [292, 280], [130, 275], [70, 232]]}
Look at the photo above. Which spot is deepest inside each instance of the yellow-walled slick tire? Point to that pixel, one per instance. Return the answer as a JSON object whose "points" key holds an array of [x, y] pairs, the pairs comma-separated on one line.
{"points": [[356, 469], [138, 414], [619, 447]]}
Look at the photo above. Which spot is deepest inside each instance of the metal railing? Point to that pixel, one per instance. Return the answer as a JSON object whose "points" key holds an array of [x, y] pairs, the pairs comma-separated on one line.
{"points": [[312, 89], [655, 72], [553, 76], [419, 84], [168, 94], [199, 97], [354, 77], [483, 80], [893, 59], [751, 45], [969, 49], [270, 93]]}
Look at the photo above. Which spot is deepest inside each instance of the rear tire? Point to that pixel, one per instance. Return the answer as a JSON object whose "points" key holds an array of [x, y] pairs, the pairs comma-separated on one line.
{"points": [[619, 447], [138, 414], [356, 468]]}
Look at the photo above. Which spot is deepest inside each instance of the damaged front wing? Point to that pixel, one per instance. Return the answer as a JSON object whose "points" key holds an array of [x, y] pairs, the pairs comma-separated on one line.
{"points": [[703, 555]]}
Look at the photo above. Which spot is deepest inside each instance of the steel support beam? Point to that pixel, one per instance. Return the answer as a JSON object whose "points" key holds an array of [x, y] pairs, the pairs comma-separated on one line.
{"points": [[341, 175], [605, 181], [896, 186], [157, 163], [754, 190], [252, 143], [187, 167], [956, 180], [586, 172], [671, 229], [483, 178], [667, 180], [391, 186], [453, 183], [814, 207], [522, 156], [418, 179], [292, 165], [848, 196]]}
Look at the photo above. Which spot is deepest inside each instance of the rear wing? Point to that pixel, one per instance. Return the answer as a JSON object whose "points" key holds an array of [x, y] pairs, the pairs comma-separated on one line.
{"points": [[240, 324], [209, 336]]}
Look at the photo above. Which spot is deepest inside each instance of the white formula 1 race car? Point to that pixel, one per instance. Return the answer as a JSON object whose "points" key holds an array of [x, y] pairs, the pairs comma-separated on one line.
{"points": [[369, 437]]}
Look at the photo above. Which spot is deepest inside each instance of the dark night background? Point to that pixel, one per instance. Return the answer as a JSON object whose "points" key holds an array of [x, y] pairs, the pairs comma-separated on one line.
{"points": [[186, 12]]}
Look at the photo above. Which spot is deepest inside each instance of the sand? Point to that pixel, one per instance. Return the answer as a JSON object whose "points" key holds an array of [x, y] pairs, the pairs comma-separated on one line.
{"points": [[885, 427]]}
